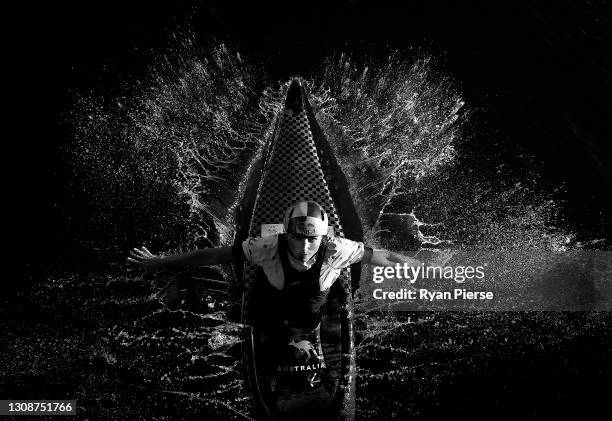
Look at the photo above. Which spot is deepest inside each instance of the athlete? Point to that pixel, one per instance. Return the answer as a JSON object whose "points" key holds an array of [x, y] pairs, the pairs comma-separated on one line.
{"points": [[300, 266], [304, 251]]}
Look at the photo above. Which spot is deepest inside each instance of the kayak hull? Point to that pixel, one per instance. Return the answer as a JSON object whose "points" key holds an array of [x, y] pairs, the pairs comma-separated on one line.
{"points": [[292, 169]]}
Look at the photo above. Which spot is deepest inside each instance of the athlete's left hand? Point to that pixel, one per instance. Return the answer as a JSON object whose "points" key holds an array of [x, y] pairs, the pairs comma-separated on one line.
{"points": [[144, 258]]}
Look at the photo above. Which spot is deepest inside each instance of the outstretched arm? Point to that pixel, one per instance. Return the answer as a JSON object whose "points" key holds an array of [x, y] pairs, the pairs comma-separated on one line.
{"points": [[387, 258], [151, 262]]}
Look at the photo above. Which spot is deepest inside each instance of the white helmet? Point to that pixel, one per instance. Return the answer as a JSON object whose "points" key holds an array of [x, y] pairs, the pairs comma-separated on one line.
{"points": [[306, 218]]}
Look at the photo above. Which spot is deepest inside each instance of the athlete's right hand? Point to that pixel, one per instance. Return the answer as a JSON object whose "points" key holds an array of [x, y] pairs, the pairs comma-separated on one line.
{"points": [[145, 259]]}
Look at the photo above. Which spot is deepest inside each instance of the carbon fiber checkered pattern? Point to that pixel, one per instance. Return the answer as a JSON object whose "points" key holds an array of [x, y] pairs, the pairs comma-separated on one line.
{"points": [[292, 173]]}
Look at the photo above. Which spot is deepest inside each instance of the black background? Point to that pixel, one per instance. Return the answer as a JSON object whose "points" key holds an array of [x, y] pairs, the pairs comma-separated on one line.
{"points": [[541, 74]]}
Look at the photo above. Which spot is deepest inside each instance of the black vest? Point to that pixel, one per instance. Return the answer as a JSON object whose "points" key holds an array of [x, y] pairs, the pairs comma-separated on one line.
{"points": [[300, 303]]}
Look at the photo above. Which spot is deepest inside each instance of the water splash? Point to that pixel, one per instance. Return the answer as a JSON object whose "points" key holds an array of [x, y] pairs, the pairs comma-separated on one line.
{"points": [[164, 163], [391, 125]]}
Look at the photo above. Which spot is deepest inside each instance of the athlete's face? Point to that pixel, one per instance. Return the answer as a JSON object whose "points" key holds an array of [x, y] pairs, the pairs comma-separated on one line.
{"points": [[303, 247]]}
